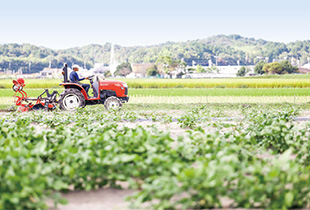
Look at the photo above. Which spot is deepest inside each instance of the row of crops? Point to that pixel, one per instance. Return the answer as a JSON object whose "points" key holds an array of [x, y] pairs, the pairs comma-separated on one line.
{"points": [[261, 161], [191, 92], [218, 83], [286, 82]]}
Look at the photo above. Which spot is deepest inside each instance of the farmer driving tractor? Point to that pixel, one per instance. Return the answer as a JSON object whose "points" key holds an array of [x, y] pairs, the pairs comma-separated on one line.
{"points": [[74, 78], [110, 93]]}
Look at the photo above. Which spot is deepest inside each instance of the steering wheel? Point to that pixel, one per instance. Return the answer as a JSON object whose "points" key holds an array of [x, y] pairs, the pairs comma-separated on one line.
{"points": [[91, 76]]}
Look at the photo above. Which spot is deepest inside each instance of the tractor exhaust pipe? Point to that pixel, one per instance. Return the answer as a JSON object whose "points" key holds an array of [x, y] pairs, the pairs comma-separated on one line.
{"points": [[65, 72]]}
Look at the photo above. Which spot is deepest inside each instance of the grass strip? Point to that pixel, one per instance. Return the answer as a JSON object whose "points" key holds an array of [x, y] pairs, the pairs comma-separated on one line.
{"points": [[190, 92], [249, 82]]}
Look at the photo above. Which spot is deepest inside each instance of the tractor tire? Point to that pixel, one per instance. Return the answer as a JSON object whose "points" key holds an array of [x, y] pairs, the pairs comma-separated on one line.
{"points": [[112, 103], [71, 99]]}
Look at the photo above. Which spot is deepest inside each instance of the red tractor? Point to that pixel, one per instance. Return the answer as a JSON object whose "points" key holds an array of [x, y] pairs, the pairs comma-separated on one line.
{"points": [[111, 93]]}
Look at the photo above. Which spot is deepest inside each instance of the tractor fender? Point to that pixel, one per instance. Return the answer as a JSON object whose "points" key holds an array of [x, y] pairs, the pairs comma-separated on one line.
{"points": [[75, 86], [107, 93]]}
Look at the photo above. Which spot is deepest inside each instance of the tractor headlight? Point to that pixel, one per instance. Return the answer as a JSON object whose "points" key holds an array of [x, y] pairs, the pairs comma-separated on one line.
{"points": [[125, 85]]}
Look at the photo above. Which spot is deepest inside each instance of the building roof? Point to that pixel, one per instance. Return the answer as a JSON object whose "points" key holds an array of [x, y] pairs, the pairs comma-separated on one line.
{"points": [[304, 70], [141, 68]]}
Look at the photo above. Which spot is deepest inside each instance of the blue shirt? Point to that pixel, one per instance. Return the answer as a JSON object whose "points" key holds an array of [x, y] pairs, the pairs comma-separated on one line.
{"points": [[74, 77]]}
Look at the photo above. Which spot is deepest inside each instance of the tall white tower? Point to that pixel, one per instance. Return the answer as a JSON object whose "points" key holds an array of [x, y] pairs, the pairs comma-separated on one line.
{"points": [[113, 63], [50, 62]]}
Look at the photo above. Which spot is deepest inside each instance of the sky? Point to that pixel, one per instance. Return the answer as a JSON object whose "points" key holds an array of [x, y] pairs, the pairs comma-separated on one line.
{"points": [[61, 24]]}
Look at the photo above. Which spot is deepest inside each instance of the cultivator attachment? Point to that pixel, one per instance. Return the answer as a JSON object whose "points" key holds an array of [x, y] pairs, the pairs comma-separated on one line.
{"points": [[26, 104]]}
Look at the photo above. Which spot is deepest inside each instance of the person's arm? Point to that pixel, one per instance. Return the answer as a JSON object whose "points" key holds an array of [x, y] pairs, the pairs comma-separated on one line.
{"points": [[77, 77], [80, 79]]}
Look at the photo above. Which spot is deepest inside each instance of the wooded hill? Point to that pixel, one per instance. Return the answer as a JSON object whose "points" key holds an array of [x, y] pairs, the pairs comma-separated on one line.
{"points": [[227, 49]]}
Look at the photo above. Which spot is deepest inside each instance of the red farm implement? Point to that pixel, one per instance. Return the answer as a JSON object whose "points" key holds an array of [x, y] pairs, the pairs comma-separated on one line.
{"points": [[26, 104]]}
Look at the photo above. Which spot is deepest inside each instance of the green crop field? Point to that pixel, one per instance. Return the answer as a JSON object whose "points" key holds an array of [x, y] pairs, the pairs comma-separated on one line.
{"points": [[186, 100], [220, 92], [298, 81], [190, 92], [218, 83], [30, 92], [261, 160], [32, 83], [204, 162], [196, 95]]}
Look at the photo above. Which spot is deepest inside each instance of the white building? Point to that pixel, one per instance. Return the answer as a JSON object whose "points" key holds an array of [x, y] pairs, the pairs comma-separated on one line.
{"points": [[50, 73], [221, 72]]}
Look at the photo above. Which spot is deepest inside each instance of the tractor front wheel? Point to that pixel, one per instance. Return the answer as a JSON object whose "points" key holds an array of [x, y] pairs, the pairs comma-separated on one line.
{"points": [[71, 99], [112, 103]]}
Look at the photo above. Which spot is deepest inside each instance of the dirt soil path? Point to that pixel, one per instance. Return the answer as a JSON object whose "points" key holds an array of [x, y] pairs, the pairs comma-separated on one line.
{"points": [[102, 199]]}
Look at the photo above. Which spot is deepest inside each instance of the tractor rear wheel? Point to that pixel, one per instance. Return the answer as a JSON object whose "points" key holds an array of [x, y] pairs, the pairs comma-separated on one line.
{"points": [[71, 99], [112, 103]]}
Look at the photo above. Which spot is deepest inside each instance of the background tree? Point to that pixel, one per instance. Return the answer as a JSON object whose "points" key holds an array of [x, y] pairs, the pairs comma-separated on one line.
{"points": [[273, 68], [181, 68], [242, 71], [258, 69], [166, 61], [152, 71], [287, 67], [200, 69], [228, 49], [212, 69], [123, 69], [107, 74]]}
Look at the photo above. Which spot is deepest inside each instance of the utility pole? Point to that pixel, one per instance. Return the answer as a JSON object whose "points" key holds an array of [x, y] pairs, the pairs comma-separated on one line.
{"points": [[94, 57], [29, 67]]}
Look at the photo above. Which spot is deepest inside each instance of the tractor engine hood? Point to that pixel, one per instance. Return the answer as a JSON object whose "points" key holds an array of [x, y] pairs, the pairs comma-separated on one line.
{"points": [[113, 82], [119, 87]]}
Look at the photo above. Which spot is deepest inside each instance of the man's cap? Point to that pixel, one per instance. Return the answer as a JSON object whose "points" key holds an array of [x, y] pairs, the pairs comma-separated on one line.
{"points": [[75, 66]]}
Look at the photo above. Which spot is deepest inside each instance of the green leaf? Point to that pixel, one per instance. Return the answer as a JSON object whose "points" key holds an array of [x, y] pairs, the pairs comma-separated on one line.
{"points": [[63, 201], [14, 200], [59, 185], [289, 198]]}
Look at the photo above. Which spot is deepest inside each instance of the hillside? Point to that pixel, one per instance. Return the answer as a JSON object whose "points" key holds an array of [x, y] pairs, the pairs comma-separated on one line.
{"points": [[228, 49]]}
